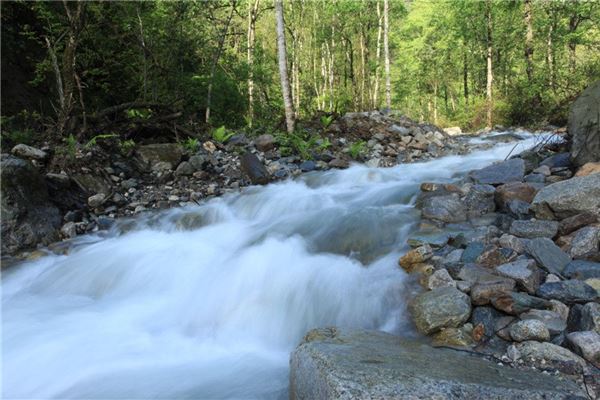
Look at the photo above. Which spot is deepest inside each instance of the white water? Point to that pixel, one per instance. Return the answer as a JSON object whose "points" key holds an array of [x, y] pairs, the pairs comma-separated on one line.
{"points": [[213, 310]]}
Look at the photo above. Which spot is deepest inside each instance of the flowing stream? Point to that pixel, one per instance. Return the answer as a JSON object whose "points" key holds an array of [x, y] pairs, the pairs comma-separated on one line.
{"points": [[208, 301]]}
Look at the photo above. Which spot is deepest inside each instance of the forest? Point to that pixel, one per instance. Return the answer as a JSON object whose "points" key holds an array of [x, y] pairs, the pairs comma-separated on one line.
{"points": [[198, 65]]}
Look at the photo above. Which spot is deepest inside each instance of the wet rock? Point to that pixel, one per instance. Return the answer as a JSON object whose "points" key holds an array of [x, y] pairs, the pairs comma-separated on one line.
{"points": [[440, 308], [264, 142], [568, 198], [587, 345], [345, 364], [544, 355], [307, 166], [529, 330], [584, 126], [515, 303], [514, 191], [585, 242], [568, 292], [444, 208], [29, 152], [531, 229], [553, 321], [524, 272], [548, 255], [68, 230], [511, 170], [28, 216], [339, 163], [151, 154], [575, 222], [415, 256], [483, 292], [582, 270], [440, 278], [254, 169]]}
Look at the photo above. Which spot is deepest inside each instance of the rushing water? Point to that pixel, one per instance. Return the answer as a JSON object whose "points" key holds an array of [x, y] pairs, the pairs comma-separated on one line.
{"points": [[208, 301]]}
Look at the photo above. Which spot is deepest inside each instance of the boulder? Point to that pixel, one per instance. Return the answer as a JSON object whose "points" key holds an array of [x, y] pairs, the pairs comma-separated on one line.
{"points": [[544, 355], [587, 345], [264, 142], [341, 364], [575, 222], [453, 131], [548, 255], [582, 270], [515, 191], [588, 169], [185, 168], [512, 170], [415, 256], [440, 278], [560, 160], [590, 317], [553, 321], [585, 242], [28, 216], [254, 169], [444, 208], [584, 126], [524, 272], [29, 152], [440, 308], [530, 329], [483, 292], [530, 229], [568, 198], [150, 154], [568, 292], [515, 303]]}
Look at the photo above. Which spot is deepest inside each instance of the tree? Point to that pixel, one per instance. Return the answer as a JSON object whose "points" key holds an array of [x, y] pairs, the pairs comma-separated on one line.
{"points": [[490, 73], [283, 73], [386, 46]]}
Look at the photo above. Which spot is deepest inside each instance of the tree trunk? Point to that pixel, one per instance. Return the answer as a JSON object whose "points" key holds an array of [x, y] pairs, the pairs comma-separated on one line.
{"points": [[386, 46], [144, 54], [550, 56], [215, 62], [252, 15], [377, 57], [465, 78], [490, 75], [528, 41], [362, 69], [283, 73]]}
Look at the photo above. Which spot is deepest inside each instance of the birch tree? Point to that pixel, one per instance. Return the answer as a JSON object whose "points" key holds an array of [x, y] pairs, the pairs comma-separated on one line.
{"points": [[283, 73]]}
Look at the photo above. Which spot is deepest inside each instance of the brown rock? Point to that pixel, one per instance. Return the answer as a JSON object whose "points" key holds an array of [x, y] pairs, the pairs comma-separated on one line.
{"points": [[588, 169], [494, 256], [483, 292], [575, 222], [415, 256], [514, 191]]}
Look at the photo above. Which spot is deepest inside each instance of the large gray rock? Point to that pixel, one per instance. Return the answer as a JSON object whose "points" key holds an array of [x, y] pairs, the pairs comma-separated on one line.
{"points": [[581, 269], [28, 216], [584, 126], [529, 329], [511, 170], [587, 345], [24, 151], [445, 307], [342, 364], [546, 355], [568, 198], [548, 255], [151, 154], [444, 208], [585, 242], [254, 169], [524, 272], [571, 291], [530, 229]]}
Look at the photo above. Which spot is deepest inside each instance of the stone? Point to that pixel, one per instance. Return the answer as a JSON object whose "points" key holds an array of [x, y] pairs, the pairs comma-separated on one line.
{"points": [[529, 330], [587, 345], [514, 191], [308, 166], [161, 166], [548, 255], [453, 131], [344, 364], [444, 208], [511, 170], [454, 337], [524, 272], [534, 178], [518, 209], [588, 169], [150, 154], [553, 321], [512, 242], [440, 278], [28, 215], [560, 160], [543, 170], [264, 142], [254, 169], [480, 200], [339, 163], [590, 317], [184, 169], [472, 252], [68, 230], [440, 308], [474, 274], [24, 151], [96, 200], [575, 222], [584, 127], [483, 292], [531, 229], [199, 162], [568, 198], [415, 256], [548, 356], [492, 256], [585, 242], [560, 308], [516, 303], [568, 292], [209, 146], [484, 320]]}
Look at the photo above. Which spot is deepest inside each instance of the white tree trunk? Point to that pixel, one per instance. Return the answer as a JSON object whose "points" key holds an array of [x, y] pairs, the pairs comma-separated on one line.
{"points": [[386, 46], [252, 14], [490, 75], [283, 73]]}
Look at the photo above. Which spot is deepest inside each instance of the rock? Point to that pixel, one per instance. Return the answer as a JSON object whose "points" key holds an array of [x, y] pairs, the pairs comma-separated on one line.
{"points": [[548, 255], [472, 252], [544, 355], [560, 160], [575, 222], [582, 270], [511, 170], [440, 278], [584, 126], [28, 216], [161, 166], [29, 152], [453, 131], [96, 200], [339, 163], [568, 292], [514, 191], [184, 169], [307, 166], [483, 292], [518, 209], [492, 256], [68, 230], [590, 317], [516, 303], [587, 345], [440, 308], [529, 330], [415, 256], [512, 242], [531, 229], [209, 146], [199, 162], [455, 337], [264, 142], [444, 208], [480, 200], [585, 241], [553, 321], [524, 272], [254, 169], [345, 364], [484, 320], [151, 154], [588, 169], [568, 198]]}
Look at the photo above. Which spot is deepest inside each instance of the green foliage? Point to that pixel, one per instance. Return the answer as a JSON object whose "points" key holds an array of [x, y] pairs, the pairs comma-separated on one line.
{"points": [[222, 134], [301, 143], [71, 145], [139, 113], [357, 149], [125, 146], [326, 120], [192, 145], [93, 141]]}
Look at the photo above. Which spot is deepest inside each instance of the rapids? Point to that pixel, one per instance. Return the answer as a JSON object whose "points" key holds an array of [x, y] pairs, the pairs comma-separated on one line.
{"points": [[207, 302]]}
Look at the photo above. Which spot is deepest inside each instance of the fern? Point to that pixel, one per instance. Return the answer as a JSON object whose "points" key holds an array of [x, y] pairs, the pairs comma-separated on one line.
{"points": [[222, 134]]}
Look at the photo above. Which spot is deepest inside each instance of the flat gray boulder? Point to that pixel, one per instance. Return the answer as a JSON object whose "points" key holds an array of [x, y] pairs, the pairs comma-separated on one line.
{"points": [[333, 363], [512, 170], [584, 126], [568, 198]]}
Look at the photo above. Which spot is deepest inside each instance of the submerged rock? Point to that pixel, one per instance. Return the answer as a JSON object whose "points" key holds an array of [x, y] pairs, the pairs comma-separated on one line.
{"points": [[341, 364]]}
